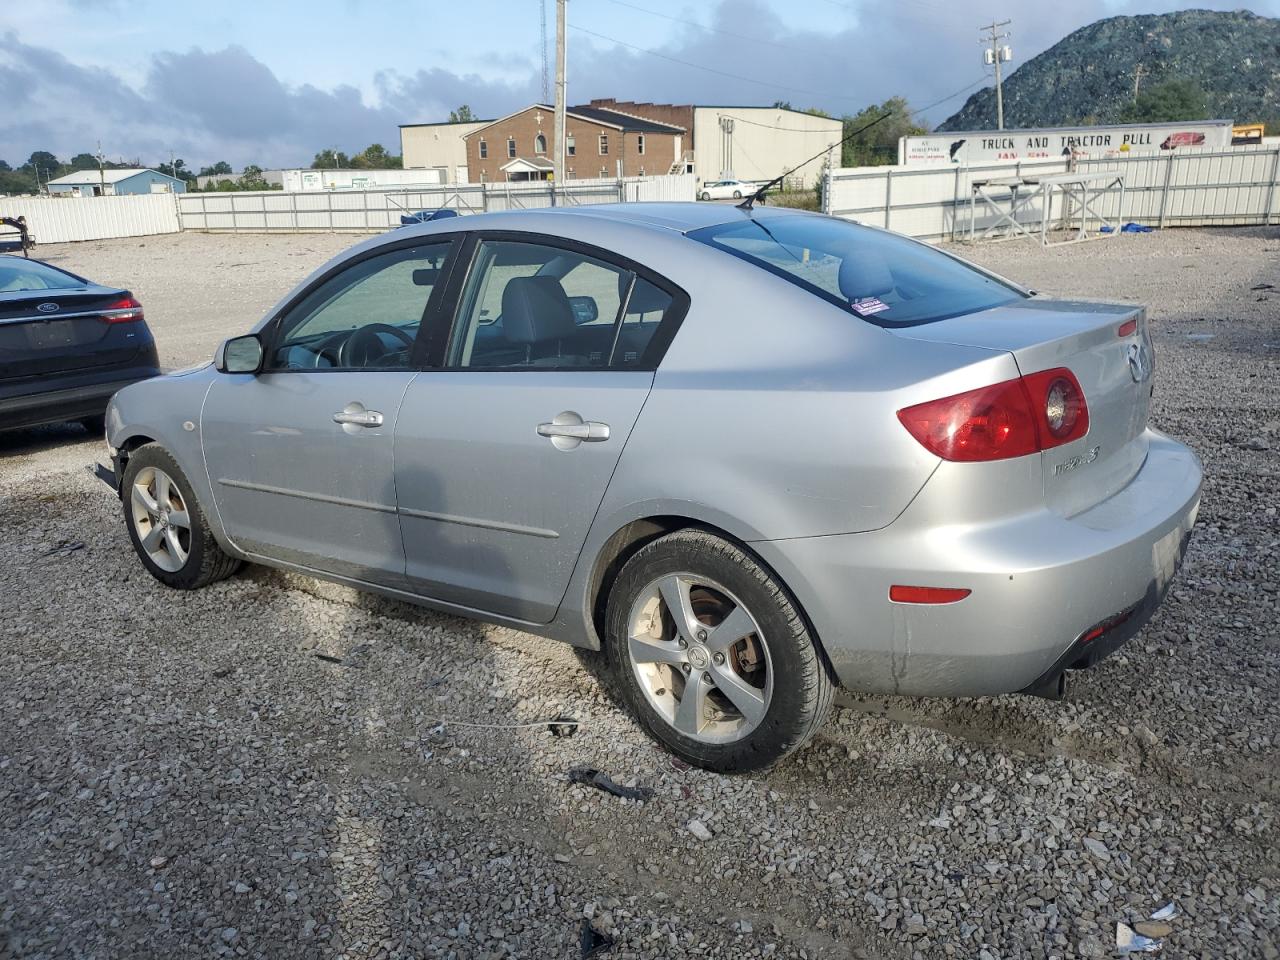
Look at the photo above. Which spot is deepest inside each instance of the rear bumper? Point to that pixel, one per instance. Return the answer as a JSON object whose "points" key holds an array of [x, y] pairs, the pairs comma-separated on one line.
{"points": [[1040, 582], [67, 397]]}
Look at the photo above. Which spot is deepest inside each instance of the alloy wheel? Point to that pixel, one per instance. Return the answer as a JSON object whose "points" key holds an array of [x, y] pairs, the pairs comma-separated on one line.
{"points": [[700, 658], [161, 519]]}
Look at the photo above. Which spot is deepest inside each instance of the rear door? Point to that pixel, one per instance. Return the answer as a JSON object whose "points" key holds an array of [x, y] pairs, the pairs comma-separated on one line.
{"points": [[300, 455], [504, 452]]}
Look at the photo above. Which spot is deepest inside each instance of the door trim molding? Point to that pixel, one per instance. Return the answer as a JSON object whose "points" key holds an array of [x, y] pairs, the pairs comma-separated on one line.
{"points": [[485, 524], [303, 495], [385, 508]]}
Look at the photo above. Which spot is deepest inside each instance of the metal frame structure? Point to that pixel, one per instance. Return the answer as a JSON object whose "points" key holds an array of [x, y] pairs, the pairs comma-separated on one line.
{"points": [[1080, 192]]}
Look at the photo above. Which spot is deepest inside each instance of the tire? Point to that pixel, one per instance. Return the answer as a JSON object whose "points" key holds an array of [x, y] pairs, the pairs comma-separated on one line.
{"points": [[705, 195], [203, 561], [737, 194], [780, 712], [96, 426]]}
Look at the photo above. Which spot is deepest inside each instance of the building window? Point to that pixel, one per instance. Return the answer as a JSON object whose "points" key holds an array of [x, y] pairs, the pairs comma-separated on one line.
{"points": [[570, 146], [484, 149], [642, 171], [568, 174], [640, 144], [604, 173], [511, 147], [604, 144], [483, 176], [539, 144]]}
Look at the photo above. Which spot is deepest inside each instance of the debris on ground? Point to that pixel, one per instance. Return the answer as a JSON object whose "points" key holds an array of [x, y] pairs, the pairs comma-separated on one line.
{"points": [[63, 549], [592, 941], [602, 781], [563, 726], [1130, 941], [1167, 912]]}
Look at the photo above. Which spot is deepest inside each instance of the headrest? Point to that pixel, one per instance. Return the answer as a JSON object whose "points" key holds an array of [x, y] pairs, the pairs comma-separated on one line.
{"points": [[864, 274], [535, 309]]}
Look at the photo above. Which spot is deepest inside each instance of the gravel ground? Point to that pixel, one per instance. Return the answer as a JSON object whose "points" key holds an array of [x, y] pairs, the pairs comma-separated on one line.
{"points": [[186, 775]]}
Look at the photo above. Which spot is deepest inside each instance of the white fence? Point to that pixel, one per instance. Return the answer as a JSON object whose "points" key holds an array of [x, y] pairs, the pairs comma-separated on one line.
{"points": [[63, 219], [1187, 187], [373, 211], [66, 219]]}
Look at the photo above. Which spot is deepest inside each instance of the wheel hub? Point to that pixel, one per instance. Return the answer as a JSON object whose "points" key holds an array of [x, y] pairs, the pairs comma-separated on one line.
{"points": [[699, 657]]}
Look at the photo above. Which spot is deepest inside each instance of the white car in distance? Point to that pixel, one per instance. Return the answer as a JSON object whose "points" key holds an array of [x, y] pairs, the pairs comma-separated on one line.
{"points": [[726, 189]]}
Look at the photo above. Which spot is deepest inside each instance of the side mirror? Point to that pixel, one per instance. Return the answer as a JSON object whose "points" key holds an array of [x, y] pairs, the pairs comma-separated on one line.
{"points": [[585, 309], [239, 355]]}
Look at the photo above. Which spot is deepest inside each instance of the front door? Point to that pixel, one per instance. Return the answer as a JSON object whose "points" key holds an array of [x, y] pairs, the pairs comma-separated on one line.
{"points": [[504, 454], [300, 455]]}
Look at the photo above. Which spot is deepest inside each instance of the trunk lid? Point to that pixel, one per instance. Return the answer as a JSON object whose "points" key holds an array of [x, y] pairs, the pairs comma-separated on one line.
{"points": [[1114, 371], [75, 336]]}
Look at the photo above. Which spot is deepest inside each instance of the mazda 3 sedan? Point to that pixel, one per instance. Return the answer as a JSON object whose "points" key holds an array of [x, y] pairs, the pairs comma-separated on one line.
{"points": [[751, 455], [66, 345]]}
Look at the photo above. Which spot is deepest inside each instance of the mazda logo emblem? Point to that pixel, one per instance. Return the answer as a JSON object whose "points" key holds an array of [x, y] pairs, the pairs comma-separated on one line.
{"points": [[48, 308], [1139, 362]]}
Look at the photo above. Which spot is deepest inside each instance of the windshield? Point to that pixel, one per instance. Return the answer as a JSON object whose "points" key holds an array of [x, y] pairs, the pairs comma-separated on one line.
{"points": [[17, 275], [876, 275]]}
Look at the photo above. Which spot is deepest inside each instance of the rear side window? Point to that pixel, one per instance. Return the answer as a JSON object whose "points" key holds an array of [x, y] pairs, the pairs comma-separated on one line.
{"points": [[18, 275], [878, 276]]}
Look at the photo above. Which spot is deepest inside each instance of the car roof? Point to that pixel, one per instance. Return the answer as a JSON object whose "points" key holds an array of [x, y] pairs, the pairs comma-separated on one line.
{"points": [[678, 217]]}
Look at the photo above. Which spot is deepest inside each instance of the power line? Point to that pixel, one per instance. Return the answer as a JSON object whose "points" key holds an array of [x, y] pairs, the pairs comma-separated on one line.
{"points": [[700, 26]]}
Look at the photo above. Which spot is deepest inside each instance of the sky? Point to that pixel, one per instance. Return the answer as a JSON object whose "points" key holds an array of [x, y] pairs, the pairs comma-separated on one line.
{"points": [[271, 82]]}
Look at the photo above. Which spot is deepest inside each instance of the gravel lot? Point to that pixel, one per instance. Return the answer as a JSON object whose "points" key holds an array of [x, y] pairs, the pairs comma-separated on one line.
{"points": [[184, 775]]}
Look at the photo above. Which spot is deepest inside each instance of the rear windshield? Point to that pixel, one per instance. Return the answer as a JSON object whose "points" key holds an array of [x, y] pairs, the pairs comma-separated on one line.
{"points": [[17, 275], [875, 275]]}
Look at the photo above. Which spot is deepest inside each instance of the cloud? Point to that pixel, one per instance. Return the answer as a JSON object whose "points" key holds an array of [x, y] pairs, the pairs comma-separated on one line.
{"points": [[209, 105]]}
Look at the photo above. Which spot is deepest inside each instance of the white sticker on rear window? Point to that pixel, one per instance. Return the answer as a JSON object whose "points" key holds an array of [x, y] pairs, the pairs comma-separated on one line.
{"points": [[868, 305]]}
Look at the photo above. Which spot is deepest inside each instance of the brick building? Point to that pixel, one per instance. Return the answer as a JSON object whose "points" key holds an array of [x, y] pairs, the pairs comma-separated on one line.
{"points": [[599, 142]]}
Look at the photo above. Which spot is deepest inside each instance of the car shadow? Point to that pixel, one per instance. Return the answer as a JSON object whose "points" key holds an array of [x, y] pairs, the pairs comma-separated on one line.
{"points": [[26, 441]]}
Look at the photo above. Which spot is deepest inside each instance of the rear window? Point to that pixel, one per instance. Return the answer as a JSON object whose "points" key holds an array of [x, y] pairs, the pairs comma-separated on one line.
{"points": [[17, 275], [878, 276]]}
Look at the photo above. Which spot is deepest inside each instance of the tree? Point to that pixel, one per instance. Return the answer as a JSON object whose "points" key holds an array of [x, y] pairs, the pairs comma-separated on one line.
{"points": [[1172, 100], [251, 179], [17, 181], [4, 166], [43, 159], [878, 145], [330, 159], [217, 169], [375, 157], [83, 161], [462, 115]]}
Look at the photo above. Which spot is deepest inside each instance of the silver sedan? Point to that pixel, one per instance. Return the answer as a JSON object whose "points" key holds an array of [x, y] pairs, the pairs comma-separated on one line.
{"points": [[750, 455]]}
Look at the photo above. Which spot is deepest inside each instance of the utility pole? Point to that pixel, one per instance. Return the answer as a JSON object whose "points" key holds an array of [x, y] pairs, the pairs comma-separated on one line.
{"points": [[1139, 74], [102, 176], [546, 70], [558, 153], [996, 54]]}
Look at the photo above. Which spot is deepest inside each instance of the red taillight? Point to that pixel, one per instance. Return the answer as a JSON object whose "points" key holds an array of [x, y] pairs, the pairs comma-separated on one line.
{"points": [[902, 594], [1004, 420], [990, 423], [1057, 396], [1127, 328], [122, 311]]}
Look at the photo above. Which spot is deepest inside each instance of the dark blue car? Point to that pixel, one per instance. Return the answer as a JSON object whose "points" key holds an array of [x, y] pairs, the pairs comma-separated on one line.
{"points": [[66, 345], [425, 216]]}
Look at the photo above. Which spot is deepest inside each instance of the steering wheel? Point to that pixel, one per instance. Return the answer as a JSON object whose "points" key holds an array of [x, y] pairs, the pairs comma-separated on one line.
{"points": [[358, 349]]}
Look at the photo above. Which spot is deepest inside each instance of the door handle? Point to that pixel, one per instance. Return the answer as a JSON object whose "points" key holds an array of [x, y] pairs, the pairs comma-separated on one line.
{"points": [[568, 429], [354, 414]]}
